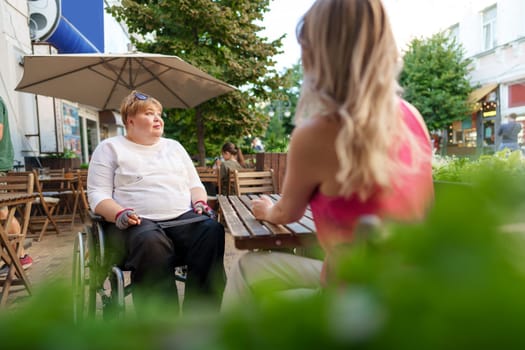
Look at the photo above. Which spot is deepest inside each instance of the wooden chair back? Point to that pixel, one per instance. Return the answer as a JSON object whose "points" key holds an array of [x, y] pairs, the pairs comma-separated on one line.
{"points": [[210, 175], [57, 172], [49, 201], [12, 243], [20, 173], [231, 189], [82, 175], [55, 186], [43, 207], [254, 182], [17, 183]]}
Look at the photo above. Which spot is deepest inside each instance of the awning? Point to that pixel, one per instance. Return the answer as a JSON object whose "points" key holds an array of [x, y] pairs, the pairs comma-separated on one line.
{"points": [[478, 94], [110, 118]]}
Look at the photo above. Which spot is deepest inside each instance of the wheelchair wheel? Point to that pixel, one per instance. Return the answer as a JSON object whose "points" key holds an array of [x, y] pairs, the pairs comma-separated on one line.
{"points": [[86, 267], [79, 278], [107, 280], [94, 267], [115, 303]]}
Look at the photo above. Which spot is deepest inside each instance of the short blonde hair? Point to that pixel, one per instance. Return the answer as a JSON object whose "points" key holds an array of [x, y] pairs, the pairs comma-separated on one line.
{"points": [[137, 102]]}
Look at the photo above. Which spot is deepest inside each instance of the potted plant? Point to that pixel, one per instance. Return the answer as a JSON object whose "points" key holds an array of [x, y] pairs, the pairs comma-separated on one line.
{"points": [[65, 160]]}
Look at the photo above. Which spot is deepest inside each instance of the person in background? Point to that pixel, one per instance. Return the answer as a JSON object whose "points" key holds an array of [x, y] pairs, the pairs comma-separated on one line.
{"points": [[509, 133], [257, 145], [6, 164], [148, 187], [232, 159], [436, 142], [372, 149]]}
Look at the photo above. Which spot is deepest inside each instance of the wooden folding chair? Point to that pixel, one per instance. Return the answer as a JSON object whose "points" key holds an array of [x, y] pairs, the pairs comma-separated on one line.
{"points": [[24, 184], [82, 196], [56, 186], [17, 192], [47, 203]]}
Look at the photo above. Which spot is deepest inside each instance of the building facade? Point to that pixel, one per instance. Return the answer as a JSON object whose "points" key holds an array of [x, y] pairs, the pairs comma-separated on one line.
{"points": [[43, 125], [493, 35], [492, 32]]}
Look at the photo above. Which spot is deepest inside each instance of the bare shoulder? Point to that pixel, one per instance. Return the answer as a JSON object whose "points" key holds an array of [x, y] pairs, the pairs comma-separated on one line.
{"points": [[417, 114], [313, 142], [319, 130]]}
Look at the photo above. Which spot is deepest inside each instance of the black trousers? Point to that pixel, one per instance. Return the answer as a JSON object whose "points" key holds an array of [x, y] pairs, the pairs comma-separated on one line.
{"points": [[151, 253]]}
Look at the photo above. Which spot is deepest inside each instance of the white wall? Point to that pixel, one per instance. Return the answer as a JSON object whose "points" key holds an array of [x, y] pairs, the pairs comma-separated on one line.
{"points": [[14, 44], [505, 64]]}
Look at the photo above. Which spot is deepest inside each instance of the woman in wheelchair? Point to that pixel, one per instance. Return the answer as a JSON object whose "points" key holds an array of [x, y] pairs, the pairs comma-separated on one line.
{"points": [[148, 189]]}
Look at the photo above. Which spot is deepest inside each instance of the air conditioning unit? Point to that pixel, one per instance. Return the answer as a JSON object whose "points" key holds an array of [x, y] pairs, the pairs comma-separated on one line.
{"points": [[44, 16]]}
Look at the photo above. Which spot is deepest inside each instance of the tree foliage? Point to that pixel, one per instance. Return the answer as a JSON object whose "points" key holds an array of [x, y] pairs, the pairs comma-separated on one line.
{"points": [[219, 37], [281, 123], [435, 80], [292, 89]]}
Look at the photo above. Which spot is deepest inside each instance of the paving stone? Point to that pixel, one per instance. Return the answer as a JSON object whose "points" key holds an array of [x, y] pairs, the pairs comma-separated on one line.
{"points": [[53, 260]]}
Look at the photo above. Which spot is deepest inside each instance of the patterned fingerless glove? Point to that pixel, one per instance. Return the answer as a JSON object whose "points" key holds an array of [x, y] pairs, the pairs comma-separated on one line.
{"points": [[122, 218], [204, 208]]}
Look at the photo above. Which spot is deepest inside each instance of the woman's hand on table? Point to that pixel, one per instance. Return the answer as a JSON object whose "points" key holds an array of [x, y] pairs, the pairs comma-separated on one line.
{"points": [[261, 207]]}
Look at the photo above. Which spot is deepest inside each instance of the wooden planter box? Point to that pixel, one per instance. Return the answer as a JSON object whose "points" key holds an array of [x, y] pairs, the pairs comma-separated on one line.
{"points": [[275, 161], [461, 151], [51, 163]]}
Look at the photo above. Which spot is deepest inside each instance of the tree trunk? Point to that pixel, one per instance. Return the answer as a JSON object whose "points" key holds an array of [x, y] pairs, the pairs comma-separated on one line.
{"points": [[444, 142], [199, 121]]}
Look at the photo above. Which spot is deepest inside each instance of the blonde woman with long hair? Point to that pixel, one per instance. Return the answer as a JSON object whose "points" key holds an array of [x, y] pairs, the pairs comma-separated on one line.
{"points": [[372, 149]]}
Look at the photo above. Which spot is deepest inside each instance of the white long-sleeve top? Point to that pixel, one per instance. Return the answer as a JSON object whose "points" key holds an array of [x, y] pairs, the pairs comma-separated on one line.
{"points": [[154, 180]]}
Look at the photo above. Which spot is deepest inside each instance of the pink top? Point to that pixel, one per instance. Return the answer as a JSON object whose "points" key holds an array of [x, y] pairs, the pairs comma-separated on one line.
{"points": [[409, 199]]}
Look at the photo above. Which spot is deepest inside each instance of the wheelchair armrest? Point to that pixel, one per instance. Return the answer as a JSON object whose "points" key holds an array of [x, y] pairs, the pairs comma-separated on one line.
{"points": [[96, 217]]}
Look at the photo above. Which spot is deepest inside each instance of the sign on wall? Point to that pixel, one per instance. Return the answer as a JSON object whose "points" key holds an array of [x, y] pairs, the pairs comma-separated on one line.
{"points": [[71, 128]]}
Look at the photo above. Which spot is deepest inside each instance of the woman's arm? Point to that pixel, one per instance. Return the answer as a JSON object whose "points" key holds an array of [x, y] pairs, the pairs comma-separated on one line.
{"points": [[301, 179], [108, 208], [101, 173], [197, 190], [198, 194]]}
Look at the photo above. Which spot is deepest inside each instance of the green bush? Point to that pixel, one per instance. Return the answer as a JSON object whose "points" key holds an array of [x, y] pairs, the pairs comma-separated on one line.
{"points": [[454, 281], [468, 170]]}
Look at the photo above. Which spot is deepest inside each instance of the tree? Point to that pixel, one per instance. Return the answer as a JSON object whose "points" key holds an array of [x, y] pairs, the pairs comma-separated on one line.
{"points": [[219, 37], [292, 88], [435, 80], [283, 107]]}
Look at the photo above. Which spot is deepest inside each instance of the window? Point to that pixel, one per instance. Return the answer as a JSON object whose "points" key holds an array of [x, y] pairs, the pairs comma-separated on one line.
{"points": [[489, 28], [458, 136], [517, 95]]}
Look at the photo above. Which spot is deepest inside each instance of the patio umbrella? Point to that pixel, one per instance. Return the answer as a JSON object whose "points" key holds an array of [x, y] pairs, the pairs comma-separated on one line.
{"points": [[103, 80]]}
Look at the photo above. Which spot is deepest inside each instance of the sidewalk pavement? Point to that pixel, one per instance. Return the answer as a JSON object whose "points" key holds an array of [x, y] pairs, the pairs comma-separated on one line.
{"points": [[53, 260]]}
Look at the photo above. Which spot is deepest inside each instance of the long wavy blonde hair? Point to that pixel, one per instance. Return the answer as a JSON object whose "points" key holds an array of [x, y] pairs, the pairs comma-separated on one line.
{"points": [[351, 63]]}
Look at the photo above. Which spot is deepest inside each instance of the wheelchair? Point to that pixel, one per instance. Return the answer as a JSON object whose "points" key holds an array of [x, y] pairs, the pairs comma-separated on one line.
{"points": [[99, 284]]}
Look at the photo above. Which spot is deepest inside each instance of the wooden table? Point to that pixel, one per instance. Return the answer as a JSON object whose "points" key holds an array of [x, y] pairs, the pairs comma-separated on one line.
{"points": [[15, 274], [250, 233]]}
